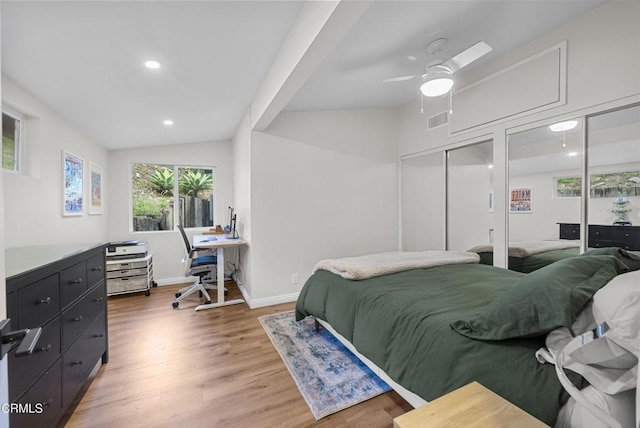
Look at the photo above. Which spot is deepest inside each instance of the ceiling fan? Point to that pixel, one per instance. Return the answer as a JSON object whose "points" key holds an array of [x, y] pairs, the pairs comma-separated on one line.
{"points": [[438, 76]]}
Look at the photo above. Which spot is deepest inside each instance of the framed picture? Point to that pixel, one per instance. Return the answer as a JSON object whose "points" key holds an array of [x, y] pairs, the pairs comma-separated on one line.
{"points": [[95, 200], [72, 180], [521, 200]]}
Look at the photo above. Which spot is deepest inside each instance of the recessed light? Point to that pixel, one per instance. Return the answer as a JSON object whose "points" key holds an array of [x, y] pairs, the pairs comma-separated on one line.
{"points": [[152, 64], [563, 126], [490, 166], [167, 122]]}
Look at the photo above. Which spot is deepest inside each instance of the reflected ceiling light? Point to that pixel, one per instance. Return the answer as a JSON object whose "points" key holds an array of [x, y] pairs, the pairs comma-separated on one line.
{"points": [[152, 64], [436, 81], [167, 122], [563, 126], [490, 166], [572, 154]]}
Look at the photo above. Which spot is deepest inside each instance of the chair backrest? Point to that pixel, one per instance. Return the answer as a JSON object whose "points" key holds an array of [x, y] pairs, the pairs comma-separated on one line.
{"points": [[184, 237]]}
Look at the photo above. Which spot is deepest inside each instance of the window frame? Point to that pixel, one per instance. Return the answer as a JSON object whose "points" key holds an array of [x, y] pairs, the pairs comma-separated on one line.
{"points": [[19, 142], [176, 195]]}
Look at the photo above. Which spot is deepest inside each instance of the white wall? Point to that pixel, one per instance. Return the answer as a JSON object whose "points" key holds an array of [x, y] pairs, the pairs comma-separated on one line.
{"points": [[587, 48], [33, 197], [423, 196], [323, 185], [167, 246], [241, 147]]}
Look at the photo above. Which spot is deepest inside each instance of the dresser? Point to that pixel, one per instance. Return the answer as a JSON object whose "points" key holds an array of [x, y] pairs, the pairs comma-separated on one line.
{"points": [[627, 237], [61, 288]]}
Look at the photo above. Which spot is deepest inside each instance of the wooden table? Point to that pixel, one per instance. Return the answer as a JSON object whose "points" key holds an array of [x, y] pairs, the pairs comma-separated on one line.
{"points": [[219, 243], [473, 405]]}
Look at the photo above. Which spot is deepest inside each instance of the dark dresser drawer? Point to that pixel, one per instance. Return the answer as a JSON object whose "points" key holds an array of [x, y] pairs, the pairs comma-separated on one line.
{"points": [[39, 302], [73, 282], [24, 370], [44, 399], [600, 236], [80, 358], [76, 319], [569, 231], [95, 270], [626, 237]]}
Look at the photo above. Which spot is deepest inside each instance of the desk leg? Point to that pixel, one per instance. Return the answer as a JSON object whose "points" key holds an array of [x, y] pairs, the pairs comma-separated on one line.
{"points": [[220, 275]]}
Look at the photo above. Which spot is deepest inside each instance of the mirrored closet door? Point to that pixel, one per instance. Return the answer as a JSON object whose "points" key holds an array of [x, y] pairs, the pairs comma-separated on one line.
{"points": [[613, 167], [470, 220], [423, 198], [544, 184]]}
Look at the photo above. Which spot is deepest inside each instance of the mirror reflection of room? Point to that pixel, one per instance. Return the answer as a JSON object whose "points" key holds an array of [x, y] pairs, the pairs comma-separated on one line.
{"points": [[544, 194], [470, 220], [613, 141]]}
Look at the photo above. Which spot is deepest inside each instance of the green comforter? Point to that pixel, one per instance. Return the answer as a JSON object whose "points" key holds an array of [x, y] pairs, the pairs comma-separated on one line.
{"points": [[401, 322], [533, 262]]}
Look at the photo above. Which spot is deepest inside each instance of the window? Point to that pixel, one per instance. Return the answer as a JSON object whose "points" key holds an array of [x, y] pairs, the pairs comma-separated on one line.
{"points": [[12, 134], [160, 201]]}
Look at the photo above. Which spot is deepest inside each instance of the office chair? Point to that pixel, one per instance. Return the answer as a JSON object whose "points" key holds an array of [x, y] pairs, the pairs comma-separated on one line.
{"points": [[194, 265]]}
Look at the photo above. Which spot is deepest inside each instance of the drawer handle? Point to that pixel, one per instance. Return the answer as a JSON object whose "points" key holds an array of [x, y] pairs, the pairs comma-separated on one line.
{"points": [[97, 268], [78, 318], [76, 281], [98, 336], [45, 301], [99, 299], [76, 363], [48, 403], [45, 349]]}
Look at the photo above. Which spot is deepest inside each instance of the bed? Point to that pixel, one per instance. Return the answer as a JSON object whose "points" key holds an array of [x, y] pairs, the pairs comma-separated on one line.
{"points": [[528, 256], [434, 329]]}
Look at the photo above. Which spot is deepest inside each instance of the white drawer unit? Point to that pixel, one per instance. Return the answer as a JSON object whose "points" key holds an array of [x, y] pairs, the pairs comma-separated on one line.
{"points": [[130, 275]]}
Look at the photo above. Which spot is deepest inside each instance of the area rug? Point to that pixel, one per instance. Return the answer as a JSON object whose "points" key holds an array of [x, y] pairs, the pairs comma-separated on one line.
{"points": [[328, 375]]}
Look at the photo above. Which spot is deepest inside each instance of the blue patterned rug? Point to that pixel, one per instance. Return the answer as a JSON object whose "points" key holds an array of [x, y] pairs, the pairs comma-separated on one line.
{"points": [[328, 375]]}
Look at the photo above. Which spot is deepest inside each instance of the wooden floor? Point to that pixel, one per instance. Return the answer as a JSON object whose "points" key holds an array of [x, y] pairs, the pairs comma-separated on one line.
{"points": [[181, 368]]}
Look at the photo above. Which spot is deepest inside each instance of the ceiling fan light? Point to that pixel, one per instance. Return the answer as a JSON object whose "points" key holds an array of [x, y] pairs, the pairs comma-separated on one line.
{"points": [[563, 126], [436, 81], [436, 87]]}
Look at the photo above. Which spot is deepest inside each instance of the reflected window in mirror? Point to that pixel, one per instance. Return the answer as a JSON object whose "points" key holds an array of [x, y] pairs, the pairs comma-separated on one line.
{"points": [[613, 206], [544, 199], [470, 217]]}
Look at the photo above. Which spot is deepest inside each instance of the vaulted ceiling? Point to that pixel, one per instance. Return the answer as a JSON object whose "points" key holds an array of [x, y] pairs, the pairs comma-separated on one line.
{"points": [[85, 59]]}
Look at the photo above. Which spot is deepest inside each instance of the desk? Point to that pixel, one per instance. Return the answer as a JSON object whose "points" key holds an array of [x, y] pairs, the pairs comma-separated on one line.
{"points": [[219, 243]]}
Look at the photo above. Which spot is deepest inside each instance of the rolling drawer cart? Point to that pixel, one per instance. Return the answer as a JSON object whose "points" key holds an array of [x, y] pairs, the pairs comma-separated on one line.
{"points": [[130, 275]]}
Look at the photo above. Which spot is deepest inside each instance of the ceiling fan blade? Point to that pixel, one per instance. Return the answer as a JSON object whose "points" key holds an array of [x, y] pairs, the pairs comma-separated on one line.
{"points": [[399, 78], [466, 57]]}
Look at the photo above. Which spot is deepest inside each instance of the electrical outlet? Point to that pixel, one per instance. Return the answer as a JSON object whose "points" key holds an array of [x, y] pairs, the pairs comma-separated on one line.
{"points": [[294, 278]]}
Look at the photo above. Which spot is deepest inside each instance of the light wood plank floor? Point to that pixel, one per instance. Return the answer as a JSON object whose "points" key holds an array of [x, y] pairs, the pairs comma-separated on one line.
{"points": [[181, 368]]}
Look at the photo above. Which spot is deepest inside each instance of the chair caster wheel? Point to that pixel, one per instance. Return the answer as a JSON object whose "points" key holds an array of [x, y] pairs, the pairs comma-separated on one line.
{"points": [[178, 295], [207, 302], [147, 293], [175, 304]]}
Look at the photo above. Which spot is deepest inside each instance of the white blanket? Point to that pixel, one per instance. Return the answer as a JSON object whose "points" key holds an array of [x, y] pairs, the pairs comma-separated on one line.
{"points": [[527, 248], [372, 265]]}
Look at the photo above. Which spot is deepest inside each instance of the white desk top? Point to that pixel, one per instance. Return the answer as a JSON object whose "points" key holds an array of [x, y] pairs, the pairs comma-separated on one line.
{"points": [[216, 241]]}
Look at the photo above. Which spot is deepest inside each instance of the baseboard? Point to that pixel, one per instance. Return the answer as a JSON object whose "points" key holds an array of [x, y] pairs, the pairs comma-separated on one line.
{"points": [[267, 301], [253, 303]]}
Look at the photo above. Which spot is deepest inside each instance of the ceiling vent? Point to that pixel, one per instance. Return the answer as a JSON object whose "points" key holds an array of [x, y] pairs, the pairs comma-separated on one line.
{"points": [[437, 120]]}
